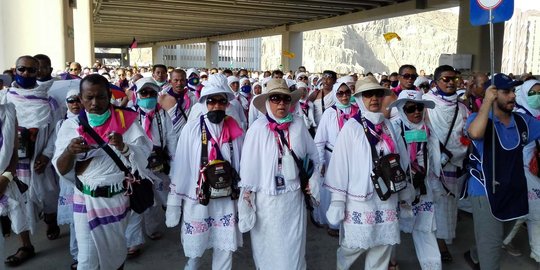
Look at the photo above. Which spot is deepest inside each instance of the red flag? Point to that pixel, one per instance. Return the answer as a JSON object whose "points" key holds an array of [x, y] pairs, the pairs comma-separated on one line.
{"points": [[133, 44]]}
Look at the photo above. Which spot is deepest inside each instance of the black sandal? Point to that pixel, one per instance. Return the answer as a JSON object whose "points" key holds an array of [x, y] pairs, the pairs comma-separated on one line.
{"points": [[446, 257], [26, 253], [73, 265], [53, 232], [332, 232]]}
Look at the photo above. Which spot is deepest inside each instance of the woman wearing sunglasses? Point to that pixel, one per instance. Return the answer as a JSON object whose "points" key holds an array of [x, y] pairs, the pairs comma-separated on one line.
{"points": [[367, 222], [330, 125], [209, 219], [270, 180], [416, 201]]}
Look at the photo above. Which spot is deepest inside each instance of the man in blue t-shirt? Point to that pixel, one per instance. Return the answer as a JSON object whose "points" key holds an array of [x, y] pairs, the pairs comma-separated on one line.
{"points": [[496, 204]]}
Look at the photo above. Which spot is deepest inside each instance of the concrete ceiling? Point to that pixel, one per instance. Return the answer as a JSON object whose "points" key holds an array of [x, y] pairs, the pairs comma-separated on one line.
{"points": [[117, 22]]}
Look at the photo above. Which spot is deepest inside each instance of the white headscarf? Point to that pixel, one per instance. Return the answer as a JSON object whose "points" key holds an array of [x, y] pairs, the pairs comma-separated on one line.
{"points": [[335, 89], [521, 96], [373, 117]]}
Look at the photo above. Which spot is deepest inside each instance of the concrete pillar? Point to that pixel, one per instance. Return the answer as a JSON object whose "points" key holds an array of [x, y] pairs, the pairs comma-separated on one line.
{"points": [[124, 57], [29, 27], [84, 32], [212, 54], [475, 40], [291, 42], [157, 55]]}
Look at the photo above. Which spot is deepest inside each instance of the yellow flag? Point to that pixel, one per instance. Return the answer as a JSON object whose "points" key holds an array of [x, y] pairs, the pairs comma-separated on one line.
{"points": [[391, 35], [289, 54]]}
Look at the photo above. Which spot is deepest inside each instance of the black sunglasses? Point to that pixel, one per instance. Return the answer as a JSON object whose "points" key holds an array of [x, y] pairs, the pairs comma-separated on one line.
{"points": [[146, 93], [343, 93], [371, 93], [412, 108], [73, 100], [276, 99], [214, 101], [302, 78], [73, 69], [408, 76], [447, 79], [22, 69]]}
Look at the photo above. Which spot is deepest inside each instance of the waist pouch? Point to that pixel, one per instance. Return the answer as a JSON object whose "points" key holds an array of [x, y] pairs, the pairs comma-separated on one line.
{"points": [[27, 142], [221, 180], [159, 160], [388, 176]]}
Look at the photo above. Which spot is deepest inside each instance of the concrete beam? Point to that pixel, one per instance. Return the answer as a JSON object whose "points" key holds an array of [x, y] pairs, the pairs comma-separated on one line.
{"points": [[292, 42], [400, 9]]}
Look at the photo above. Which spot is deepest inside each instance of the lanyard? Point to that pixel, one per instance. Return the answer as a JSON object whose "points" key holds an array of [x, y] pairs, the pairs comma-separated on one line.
{"points": [[279, 141]]}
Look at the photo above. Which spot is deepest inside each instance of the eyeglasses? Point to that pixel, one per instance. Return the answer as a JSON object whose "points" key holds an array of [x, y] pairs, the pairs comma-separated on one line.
{"points": [[413, 108], [74, 69], [371, 93], [408, 76], [30, 70], [302, 78], [447, 79], [214, 101], [73, 100], [532, 93], [344, 93], [276, 99], [147, 93]]}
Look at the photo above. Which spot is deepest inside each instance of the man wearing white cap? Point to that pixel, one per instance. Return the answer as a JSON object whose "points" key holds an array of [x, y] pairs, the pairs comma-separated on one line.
{"points": [[158, 127], [178, 100], [209, 219]]}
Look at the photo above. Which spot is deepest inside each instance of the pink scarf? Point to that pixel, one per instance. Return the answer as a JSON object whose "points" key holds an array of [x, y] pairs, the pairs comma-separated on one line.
{"points": [[148, 121], [343, 117], [230, 131], [379, 130], [119, 122]]}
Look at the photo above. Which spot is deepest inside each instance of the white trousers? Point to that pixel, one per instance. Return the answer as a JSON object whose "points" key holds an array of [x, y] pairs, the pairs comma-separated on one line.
{"points": [[427, 250], [221, 260], [73, 250], [151, 218], [377, 258], [134, 232]]}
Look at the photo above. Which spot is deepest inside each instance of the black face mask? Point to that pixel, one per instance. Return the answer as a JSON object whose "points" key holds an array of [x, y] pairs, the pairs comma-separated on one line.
{"points": [[216, 116], [394, 83]]}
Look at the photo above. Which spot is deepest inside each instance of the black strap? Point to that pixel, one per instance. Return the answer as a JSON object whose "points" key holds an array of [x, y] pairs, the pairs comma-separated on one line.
{"points": [[328, 149], [160, 128], [303, 173], [451, 125], [179, 106], [204, 144], [322, 100], [102, 144], [375, 159]]}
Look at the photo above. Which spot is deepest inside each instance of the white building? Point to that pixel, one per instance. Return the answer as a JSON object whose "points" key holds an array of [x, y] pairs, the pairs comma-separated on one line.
{"points": [[245, 53]]}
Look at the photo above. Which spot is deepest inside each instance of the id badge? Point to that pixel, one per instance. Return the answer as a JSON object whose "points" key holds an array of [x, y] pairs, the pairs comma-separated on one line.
{"points": [[280, 182], [21, 151]]}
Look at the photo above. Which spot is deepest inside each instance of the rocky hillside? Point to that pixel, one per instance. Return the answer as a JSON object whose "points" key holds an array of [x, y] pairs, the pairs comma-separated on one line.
{"points": [[362, 48]]}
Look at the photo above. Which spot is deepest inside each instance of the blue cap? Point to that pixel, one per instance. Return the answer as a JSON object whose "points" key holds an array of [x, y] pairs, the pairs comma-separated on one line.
{"points": [[503, 82]]}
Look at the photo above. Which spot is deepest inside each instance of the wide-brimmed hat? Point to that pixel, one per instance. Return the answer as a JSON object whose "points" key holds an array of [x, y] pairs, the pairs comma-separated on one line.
{"points": [[147, 82], [411, 96], [369, 83], [275, 86]]}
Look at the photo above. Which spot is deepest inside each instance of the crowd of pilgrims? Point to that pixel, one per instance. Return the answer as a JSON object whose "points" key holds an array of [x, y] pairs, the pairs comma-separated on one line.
{"points": [[364, 157]]}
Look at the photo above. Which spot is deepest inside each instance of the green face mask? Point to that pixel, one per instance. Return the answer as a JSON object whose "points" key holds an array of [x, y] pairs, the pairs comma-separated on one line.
{"points": [[353, 100], [96, 120], [416, 135], [286, 119], [342, 106], [534, 101]]}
